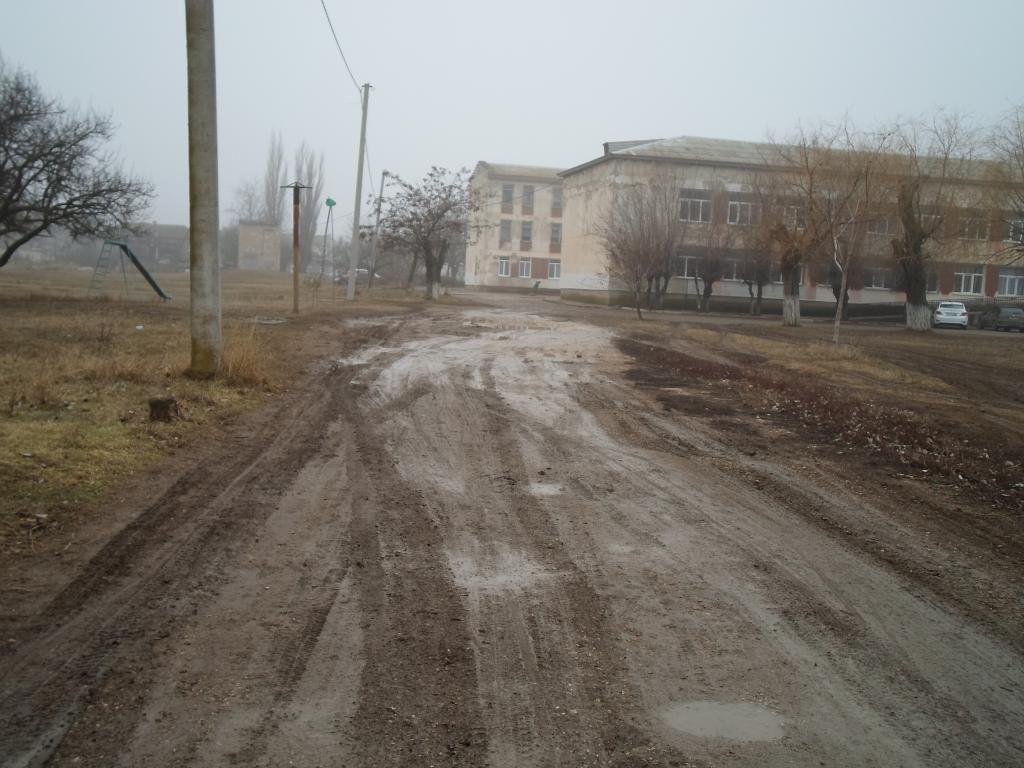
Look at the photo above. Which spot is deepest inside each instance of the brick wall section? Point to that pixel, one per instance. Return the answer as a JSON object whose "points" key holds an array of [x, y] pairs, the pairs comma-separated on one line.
{"points": [[991, 279], [946, 279]]}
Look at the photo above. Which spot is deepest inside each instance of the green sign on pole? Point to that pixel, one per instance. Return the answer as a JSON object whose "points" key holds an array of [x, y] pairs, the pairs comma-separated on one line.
{"points": [[330, 202]]}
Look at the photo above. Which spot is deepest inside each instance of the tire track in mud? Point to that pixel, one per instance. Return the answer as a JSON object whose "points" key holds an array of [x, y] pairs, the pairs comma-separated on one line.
{"points": [[552, 679], [417, 702], [138, 587], [855, 647]]}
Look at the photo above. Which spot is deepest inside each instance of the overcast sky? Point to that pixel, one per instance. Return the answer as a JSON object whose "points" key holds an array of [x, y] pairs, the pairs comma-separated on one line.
{"points": [[542, 83]]}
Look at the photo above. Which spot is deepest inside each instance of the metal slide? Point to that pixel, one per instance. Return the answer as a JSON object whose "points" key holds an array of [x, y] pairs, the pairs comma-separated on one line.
{"points": [[142, 270]]}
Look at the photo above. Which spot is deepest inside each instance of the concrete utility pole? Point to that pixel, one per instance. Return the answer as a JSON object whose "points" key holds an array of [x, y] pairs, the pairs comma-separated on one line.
{"points": [[376, 234], [295, 186], [204, 221], [353, 259]]}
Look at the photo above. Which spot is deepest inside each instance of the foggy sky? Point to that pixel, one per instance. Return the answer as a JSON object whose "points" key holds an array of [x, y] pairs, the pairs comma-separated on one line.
{"points": [[541, 83]]}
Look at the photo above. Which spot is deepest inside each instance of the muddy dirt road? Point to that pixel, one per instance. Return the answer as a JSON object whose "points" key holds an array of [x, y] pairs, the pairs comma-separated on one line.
{"points": [[473, 541]]}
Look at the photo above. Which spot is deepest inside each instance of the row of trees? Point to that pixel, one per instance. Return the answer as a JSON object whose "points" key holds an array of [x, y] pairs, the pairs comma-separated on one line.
{"points": [[811, 205]]}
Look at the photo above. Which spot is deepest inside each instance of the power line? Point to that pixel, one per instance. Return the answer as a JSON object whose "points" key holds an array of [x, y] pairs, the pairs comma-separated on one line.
{"points": [[337, 43]]}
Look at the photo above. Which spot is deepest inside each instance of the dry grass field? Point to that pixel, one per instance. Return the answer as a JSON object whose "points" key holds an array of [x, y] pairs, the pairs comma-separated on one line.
{"points": [[76, 375]]}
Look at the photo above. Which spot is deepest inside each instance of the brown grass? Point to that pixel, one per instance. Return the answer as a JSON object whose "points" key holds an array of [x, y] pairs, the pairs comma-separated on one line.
{"points": [[76, 376]]}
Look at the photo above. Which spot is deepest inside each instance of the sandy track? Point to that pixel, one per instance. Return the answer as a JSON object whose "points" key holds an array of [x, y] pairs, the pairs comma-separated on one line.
{"points": [[473, 543]]}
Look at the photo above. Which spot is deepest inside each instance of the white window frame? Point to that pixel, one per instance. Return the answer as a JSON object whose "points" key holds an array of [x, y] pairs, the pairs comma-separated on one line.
{"points": [[732, 270], [931, 278], [556, 201], [554, 269], [776, 274], [703, 210], [975, 281], [528, 195], [504, 266], [556, 227], [879, 225], [976, 228], [524, 227], [1011, 283], [878, 277], [511, 201], [502, 240], [743, 213], [524, 263], [931, 222], [796, 217], [1014, 231]]}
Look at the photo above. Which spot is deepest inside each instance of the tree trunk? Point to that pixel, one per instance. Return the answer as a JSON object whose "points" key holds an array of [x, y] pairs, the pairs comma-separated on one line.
{"points": [[636, 301], [919, 314], [760, 293], [791, 297], [840, 307], [412, 271], [707, 296]]}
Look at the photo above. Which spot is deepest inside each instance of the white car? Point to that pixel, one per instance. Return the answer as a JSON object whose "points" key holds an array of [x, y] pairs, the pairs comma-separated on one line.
{"points": [[950, 313]]}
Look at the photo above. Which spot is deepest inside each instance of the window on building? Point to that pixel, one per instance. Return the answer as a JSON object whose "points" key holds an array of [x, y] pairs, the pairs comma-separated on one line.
{"points": [[505, 233], [744, 214], [975, 228], [877, 278], [795, 217], [691, 266], [527, 199], [880, 224], [508, 193], [1011, 282], [503, 267], [732, 269], [1015, 231], [931, 223], [524, 267], [554, 269], [968, 282], [556, 201], [556, 238], [932, 282], [526, 236], [776, 274], [694, 208]]}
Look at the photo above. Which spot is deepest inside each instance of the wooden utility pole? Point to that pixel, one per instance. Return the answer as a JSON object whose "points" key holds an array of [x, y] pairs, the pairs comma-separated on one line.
{"points": [[204, 221], [295, 186], [353, 260]]}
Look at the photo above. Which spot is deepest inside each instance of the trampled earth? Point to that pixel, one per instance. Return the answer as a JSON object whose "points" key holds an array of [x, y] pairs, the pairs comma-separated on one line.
{"points": [[488, 536]]}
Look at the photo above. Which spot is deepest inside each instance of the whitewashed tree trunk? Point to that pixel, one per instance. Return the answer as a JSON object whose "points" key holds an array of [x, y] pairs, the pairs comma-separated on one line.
{"points": [[919, 317], [791, 310]]}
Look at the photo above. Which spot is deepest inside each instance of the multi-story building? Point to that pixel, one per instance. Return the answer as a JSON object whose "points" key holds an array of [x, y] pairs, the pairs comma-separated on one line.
{"points": [[972, 260], [516, 228]]}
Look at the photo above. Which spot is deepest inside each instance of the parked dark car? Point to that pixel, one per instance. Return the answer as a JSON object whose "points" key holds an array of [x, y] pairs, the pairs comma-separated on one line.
{"points": [[1003, 319]]}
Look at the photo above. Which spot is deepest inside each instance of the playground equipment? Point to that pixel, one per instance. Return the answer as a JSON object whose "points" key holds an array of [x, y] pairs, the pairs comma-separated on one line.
{"points": [[105, 261]]}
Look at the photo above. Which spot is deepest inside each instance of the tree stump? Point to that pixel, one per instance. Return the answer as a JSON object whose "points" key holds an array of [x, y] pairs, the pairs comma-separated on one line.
{"points": [[163, 409]]}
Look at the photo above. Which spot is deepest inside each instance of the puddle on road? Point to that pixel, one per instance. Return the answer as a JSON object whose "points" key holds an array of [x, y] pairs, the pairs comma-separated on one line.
{"points": [[545, 489], [736, 722]]}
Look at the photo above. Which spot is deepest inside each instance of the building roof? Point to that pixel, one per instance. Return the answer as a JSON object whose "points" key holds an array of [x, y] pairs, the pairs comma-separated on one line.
{"points": [[506, 170], [728, 152]]}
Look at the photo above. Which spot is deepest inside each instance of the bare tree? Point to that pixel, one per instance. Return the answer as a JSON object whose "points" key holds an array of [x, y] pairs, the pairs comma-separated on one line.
{"points": [[669, 235], [931, 156], [711, 261], [803, 205], [55, 172], [628, 235], [275, 176], [427, 218], [1006, 142], [756, 272], [309, 169], [248, 201]]}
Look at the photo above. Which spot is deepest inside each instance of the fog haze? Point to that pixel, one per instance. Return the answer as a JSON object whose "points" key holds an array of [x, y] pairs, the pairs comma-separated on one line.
{"points": [[531, 82]]}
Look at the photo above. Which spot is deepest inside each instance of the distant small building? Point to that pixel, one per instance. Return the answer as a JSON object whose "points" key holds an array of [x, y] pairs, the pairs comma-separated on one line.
{"points": [[516, 230], [259, 246]]}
